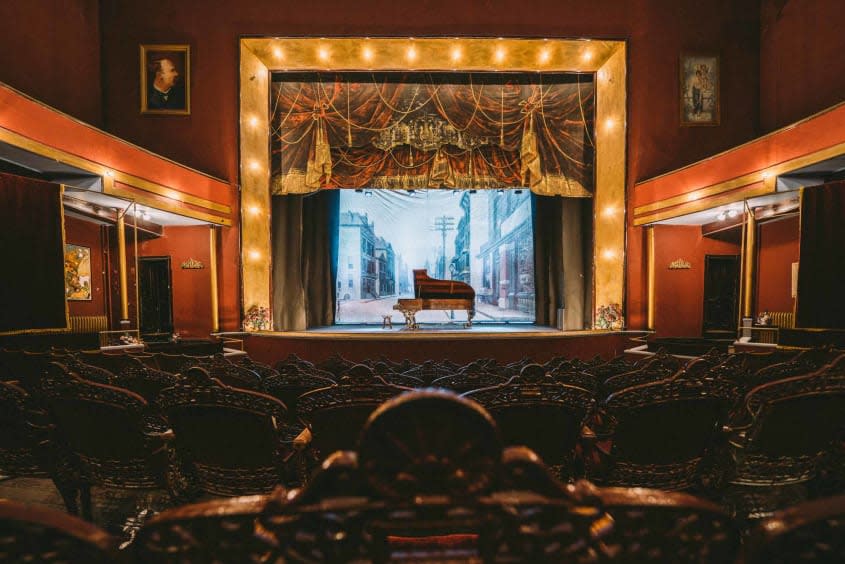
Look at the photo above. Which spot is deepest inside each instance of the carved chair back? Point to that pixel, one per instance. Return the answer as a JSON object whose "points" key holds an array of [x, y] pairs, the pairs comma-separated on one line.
{"points": [[424, 487], [29, 533], [534, 410], [471, 378], [335, 364], [234, 375], [662, 431], [428, 372], [336, 414], [794, 423], [109, 434], [617, 365], [221, 530], [263, 370], [813, 531], [658, 526], [23, 434], [231, 441]]}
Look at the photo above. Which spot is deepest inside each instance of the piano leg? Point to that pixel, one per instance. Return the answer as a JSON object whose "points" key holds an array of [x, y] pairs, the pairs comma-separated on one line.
{"points": [[410, 318], [470, 315]]}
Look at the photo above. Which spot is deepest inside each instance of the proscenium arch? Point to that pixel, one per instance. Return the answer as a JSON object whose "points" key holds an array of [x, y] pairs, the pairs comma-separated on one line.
{"points": [[260, 56]]}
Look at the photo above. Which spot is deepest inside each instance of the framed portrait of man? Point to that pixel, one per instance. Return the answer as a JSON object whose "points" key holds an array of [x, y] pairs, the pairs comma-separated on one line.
{"points": [[166, 79], [700, 95]]}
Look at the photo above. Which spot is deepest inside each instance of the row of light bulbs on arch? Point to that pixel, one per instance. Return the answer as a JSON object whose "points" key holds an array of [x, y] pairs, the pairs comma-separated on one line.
{"points": [[456, 54]]}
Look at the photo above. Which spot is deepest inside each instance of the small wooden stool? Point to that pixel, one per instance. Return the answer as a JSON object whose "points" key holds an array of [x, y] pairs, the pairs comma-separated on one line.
{"points": [[388, 322]]}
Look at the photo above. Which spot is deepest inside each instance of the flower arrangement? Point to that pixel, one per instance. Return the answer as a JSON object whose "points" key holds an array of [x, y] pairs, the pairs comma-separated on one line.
{"points": [[609, 317], [257, 318]]}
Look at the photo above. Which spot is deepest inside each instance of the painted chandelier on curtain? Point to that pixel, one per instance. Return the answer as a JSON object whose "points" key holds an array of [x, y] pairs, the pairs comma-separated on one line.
{"points": [[432, 130]]}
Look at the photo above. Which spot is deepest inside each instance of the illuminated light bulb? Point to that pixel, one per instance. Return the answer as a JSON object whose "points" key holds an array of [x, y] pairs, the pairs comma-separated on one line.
{"points": [[323, 54], [609, 211], [609, 123], [255, 254], [766, 175], [411, 54], [109, 173], [456, 54], [253, 121], [732, 213], [608, 254], [146, 217], [545, 55], [254, 165], [278, 53], [367, 54], [587, 56], [254, 210], [500, 54], [601, 75], [721, 216]]}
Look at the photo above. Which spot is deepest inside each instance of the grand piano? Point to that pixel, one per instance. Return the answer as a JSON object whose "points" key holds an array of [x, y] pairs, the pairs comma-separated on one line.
{"points": [[431, 293]]}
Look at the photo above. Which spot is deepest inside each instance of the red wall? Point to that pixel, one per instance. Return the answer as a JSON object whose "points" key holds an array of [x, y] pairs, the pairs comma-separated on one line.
{"points": [[802, 66], [87, 234], [679, 294], [657, 31], [51, 51], [778, 246], [191, 288]]}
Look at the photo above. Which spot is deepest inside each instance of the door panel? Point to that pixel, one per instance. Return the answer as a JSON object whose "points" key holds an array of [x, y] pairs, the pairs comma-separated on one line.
{"points": [[156, 295], [721, 294]]}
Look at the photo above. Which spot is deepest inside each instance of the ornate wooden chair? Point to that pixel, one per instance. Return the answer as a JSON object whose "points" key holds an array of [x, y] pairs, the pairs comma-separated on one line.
{"points": [[222, 530], [532, 409], [617, 365], [474, 376], [234, 375], [29, 533], [335, 364], [659, 435], [417, 492], [388, 373], [813, 531], [658, 526], [26, 450], [429, 371], [292, 380], [109, 434], [336, 414], [792, 424], [229, 441], [264, 371]]}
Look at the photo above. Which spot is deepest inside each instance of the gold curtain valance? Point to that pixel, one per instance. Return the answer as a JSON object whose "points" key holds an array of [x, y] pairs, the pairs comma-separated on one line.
{"points": [[422, 130]]}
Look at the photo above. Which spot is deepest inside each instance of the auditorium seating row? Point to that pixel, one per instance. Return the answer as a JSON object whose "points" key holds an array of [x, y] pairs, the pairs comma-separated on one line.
{"points": [[431, 480], [197, 425]]}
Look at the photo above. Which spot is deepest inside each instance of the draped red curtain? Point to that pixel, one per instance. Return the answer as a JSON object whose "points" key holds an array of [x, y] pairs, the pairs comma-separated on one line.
{"points": [[32, 295], [821, 270], [424, 130]]}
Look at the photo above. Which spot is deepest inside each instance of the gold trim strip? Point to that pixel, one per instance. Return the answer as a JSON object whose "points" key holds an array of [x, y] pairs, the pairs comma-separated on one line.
{"points": [[98, 169], [651, 278], [701, 205], [773, 171], [112, 190], [750, 260], [121, 266], [424, 335], [212, 271]]}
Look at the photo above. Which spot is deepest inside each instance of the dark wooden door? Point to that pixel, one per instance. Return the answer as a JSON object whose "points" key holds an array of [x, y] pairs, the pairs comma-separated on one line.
{"points": [[721, 295], [156, 295]]}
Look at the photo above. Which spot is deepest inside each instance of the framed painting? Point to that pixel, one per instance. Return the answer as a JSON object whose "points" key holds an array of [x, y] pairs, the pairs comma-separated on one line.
{"points": [[699, 89], [166, 79], [77, 272]]}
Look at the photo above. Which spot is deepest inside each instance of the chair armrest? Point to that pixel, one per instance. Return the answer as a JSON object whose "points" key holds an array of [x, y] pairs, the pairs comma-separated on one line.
{"points": [[302, 440]]}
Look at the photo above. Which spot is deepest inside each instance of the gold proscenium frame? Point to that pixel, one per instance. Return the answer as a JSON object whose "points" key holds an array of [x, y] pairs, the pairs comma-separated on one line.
{"points": [[260, 56]]}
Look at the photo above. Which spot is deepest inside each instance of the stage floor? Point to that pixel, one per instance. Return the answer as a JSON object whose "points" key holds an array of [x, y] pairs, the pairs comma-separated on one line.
{"points": [[439, 328]]}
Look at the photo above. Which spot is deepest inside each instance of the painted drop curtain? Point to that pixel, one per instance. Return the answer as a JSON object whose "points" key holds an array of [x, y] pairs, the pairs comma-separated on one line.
{"points": [[432, 130]]}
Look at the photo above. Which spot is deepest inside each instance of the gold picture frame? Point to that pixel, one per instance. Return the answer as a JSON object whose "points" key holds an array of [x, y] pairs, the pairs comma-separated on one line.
{"points": [[77, 273], [165, 79], [700, 95]]}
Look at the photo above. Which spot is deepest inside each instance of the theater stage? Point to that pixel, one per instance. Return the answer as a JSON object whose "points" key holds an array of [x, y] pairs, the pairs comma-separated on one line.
{"points": [[504, 343]]}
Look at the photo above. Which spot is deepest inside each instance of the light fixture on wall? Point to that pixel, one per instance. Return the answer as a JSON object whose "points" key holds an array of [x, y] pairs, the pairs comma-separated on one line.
{"points": [[732, 213], [721, 216]]}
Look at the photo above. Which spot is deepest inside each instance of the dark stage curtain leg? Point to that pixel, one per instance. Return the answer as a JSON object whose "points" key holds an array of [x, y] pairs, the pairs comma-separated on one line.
{"points": [[821, 276], [304, 260], [558, 261]]}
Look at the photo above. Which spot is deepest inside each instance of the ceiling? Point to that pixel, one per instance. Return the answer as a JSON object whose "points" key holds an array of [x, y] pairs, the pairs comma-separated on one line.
{"points": [[84, 190]]}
